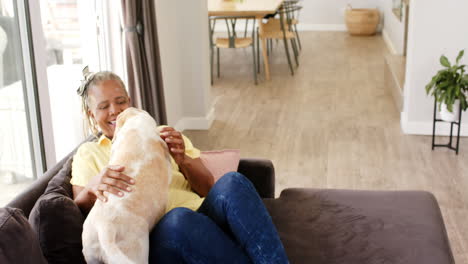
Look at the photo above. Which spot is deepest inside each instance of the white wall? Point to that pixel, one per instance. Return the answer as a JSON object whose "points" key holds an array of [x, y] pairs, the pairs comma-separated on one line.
{"points": [[393, 29], [184, 49], [194, 55], [329, 14], [431, 33], [168, 49]]}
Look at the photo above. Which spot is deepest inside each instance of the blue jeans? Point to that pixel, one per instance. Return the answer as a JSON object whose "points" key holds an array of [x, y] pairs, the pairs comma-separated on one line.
{"points": [[231, 226]]}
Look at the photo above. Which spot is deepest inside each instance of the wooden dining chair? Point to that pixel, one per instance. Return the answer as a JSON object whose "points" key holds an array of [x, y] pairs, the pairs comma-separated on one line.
{"points": [[233, 39], [294, 17], [281, 28], [294, 21]]}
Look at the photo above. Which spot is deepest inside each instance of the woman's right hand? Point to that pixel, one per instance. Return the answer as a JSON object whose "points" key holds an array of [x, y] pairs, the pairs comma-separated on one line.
{"points": [[110, 180]]}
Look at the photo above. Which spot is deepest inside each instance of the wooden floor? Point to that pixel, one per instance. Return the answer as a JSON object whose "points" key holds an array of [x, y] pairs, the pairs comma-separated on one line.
{"points": [[333, 125]]}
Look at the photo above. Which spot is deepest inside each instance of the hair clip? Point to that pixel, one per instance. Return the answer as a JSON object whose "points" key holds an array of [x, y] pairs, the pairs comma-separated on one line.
{"points": [[87, 77]]}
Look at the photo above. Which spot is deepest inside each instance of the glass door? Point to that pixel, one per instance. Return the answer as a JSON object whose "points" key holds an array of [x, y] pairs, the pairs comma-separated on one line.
{"points": [[77, 34], [44, 46], [70, 32], [20, 153]]}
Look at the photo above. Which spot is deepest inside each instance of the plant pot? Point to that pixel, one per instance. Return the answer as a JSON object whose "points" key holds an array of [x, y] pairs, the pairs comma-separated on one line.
{"points": [[450, 116], [362, 22]]}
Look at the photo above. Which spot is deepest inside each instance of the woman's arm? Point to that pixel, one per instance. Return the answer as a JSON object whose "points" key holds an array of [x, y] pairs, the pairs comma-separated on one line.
{"points": [[198, 176], [83, 198]]}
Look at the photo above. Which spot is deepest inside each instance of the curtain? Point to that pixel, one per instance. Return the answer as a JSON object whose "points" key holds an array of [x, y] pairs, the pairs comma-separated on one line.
{"points": [[143, 60]]}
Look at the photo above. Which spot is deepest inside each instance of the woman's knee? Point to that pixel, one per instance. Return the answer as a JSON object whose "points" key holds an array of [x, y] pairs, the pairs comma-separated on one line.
{"points": [[232, 181], [233, 178], [230, 188]]}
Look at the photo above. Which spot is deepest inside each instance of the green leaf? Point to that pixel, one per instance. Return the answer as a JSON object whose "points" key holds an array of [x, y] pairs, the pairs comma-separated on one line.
{"points": [[465, 77], [450, 107], [444, 61], [460, 55], [428, 87], [463, 103], [441, 97], [443, 85]]}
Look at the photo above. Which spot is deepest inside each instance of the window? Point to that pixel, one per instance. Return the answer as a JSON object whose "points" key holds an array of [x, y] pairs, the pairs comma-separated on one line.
{"points": [[76, 33], [20, 151], [70, 32]]}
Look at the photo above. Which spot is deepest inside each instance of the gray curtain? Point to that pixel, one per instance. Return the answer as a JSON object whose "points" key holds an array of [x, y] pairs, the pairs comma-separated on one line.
{"points": [[143, 60]]}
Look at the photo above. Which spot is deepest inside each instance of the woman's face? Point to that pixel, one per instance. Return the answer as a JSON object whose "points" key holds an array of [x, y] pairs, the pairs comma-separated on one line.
{"points": [[107, 100]]}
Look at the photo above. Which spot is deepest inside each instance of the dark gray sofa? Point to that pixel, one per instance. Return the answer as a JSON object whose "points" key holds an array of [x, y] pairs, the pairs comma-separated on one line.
{"points": [[323, 225]]}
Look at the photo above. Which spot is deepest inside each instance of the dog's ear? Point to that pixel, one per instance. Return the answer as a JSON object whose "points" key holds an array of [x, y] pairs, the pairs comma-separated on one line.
{"points": [[121, 118]]}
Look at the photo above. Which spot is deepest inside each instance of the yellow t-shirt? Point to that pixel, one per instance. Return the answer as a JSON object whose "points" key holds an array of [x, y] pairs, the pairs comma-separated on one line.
{"points": [[92, 157]]}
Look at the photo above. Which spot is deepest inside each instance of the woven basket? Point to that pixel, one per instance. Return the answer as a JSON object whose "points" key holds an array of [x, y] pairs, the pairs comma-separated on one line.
{"points": [[362, 22]]}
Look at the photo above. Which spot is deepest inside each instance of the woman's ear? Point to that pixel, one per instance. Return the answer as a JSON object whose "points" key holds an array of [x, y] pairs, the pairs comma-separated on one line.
{"points": [[90, 114]]}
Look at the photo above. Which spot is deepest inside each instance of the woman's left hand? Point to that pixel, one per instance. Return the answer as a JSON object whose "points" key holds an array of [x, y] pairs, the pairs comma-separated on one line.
{"points": [[175, 143], [198, 176]]}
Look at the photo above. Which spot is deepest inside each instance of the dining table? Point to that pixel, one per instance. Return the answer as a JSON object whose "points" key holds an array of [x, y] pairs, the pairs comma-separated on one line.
{"points": [[257, 8]]}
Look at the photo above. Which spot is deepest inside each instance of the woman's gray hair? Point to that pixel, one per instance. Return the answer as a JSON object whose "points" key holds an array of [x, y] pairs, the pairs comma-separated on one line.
{"points": [[90, 80]]}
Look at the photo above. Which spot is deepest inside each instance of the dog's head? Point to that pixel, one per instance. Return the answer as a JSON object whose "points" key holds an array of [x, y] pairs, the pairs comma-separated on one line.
{"points": [[123, 117]]}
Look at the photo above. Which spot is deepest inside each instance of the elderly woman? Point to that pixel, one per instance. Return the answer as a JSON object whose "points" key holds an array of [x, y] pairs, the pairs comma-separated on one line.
{"points": [[224, 222]]}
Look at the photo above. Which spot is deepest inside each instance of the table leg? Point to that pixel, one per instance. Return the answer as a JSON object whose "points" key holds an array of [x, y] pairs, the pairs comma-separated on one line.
{"points": [[264, 52]]}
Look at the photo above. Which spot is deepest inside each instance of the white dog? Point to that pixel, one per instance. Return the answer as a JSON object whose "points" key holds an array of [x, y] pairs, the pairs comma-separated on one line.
{"points": [[118, 231]]}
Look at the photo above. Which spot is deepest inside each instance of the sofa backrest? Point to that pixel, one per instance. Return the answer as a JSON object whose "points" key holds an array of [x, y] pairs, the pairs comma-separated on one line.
{"points": [[26, 200]]}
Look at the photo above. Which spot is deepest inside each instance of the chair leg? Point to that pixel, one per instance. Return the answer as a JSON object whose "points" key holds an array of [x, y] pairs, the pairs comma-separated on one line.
{"points": [[211, 64], [217, 51], [296, 52], [254, 63], [258, 52], [268, 47], [298, 39], [287, 55]]}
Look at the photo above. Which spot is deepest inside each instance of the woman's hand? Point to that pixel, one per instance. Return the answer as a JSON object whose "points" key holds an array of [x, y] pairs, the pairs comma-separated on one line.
{"points": [[110, 180], [175, 143], [198, 176]]}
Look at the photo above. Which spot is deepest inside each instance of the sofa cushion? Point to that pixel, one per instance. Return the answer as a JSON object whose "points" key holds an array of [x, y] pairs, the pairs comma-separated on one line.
{"points": [[347, 226], [60, 183], [18, 243], [58, 221]]}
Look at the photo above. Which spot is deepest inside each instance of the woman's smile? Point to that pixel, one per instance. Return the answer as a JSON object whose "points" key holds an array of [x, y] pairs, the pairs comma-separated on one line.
{"points": [[109, 99], [112, 124]]}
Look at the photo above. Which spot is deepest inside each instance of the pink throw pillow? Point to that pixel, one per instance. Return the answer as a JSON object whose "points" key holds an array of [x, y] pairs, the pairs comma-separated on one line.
{"points": [[220, 162]]}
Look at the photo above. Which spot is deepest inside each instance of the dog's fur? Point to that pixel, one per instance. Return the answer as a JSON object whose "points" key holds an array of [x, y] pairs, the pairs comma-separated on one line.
{"points": [[118, 231]]}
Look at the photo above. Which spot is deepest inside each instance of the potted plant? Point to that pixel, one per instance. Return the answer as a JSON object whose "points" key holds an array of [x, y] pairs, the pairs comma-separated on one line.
{"points": [[449, 87]]}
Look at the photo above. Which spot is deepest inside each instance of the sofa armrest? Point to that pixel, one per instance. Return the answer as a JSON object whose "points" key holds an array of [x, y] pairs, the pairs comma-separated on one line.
{"points": [[261, 173]]}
